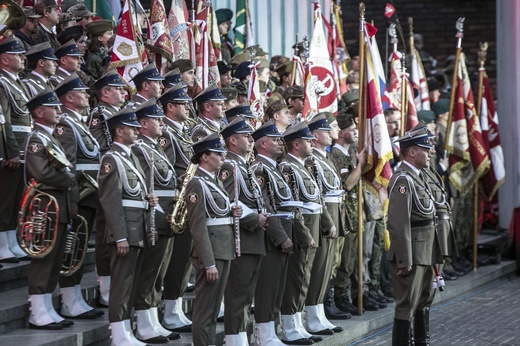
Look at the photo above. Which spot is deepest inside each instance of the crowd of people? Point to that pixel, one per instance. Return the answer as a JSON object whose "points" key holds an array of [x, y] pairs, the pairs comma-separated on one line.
{"points": [[170, 182]]}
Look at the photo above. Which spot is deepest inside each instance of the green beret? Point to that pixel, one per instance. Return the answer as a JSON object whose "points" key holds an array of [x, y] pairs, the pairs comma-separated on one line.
{"points": [[441, 106], [426, 116], [223, 15]]}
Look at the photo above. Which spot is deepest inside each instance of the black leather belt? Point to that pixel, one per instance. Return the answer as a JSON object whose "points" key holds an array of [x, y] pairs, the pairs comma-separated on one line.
{"points": [[443, 216], [422, 223]]}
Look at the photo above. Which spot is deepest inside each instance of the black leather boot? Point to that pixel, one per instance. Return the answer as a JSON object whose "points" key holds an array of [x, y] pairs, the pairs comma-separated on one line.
{"points": [[422, 327], [402, 333], [331, 310]]}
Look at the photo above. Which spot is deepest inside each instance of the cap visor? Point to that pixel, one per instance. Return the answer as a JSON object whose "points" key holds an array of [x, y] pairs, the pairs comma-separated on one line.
{"points": [[218, 150], [131, 123], [52, 104]]}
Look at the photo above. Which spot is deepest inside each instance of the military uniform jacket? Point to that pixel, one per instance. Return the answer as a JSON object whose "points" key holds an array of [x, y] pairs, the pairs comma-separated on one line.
{"points": [[274, 191], [59, 76], [36, 83], [53, 180], [13, 101], [45, 35], [97, 62], [330, 185], [98, 128], [411, 215], [82, 151], [205, 200], [252, 238], [202, 129], [444, 228], [122, 192], [136, 101], [308, 191], [345, 164], [146, 150], [177, 145]]}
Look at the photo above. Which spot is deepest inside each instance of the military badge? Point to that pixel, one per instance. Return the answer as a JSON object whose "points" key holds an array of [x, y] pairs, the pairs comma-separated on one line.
{"points": [[60, 130], [35, 147], [193, 198], [107, 167], [260, 180], [162, 141], [224, 175], [95, 121], [402, 189], [287, 177]]}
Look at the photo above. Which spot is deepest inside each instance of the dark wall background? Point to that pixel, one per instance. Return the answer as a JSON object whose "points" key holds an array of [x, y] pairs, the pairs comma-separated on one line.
{"points": [[435, 20]]}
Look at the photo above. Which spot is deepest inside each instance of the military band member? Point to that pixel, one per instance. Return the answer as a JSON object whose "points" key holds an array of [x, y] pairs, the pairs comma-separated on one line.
{"points": [[414, 248], [56, 180], [350, 168], [278, 111], [279, 231], [243, 273], [307, 232], [329, 185], [69, 61], [41, 62], [177, 144], [148, 83], [14, 96], [110, 93], [210, 218], [82, 151], [123, 195], [154, 162], [48, 9], [210, 103]]}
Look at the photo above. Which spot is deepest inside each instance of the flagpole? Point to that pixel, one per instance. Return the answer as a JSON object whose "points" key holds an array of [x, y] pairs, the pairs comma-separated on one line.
{"points": [[459, 36], [361, 143], [481, 71], [404, 97]]}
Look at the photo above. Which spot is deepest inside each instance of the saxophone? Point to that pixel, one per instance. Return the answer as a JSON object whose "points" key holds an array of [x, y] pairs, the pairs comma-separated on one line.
{"points": [[178, 218]]}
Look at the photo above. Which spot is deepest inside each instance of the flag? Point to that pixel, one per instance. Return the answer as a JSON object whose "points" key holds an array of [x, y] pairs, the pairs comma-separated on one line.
{"points": [[340, 54], [390, 14], [379, 72], [128, 53], [159, 36], [214, 34], [253, 96], [495, 177], [320, 88], [101, 8], [298, 75], [179, 29], [240, 26], [467, 154], [419, 83]]}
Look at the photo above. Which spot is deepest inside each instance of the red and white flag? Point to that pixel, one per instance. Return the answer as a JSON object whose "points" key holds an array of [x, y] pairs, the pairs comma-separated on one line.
{"points": [[496, 175], [128, 53], [179, 29], [253, 96], [422, 101], [320, 87], [468, 157], [159, 36]]}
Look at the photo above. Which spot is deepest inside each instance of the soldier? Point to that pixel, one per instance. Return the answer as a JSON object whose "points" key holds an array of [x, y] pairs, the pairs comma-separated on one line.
{"points": [[285, 72], [48, 9], [69, 61], [307, 233], [243, 110], [279, 230], [109, 90], [177, 144], [243, 273], [231, 97], [25, 33], [225, 73], [350, 168], [82, 151], [279, 112], [187, 70], [329, 185], [98, 58], [210, 216], [173, 78], [393, 124], [154, 161], [210, 103], [14, 96], [82, 14], [41, 62], [54, 176], [294, 98], [123, 195], [414, 249], [148, 84]]}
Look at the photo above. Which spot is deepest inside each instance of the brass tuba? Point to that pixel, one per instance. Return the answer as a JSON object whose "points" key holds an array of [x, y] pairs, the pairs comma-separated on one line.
{"points": [[12, 17], [38, 221], [76, 244], [178, 218]]}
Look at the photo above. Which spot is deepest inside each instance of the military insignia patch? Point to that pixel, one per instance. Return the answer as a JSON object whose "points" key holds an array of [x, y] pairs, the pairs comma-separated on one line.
{"points": [[287, 177], [402, 189], [193, 198], [35, 147], [162, 141], [95, 121], [60, 130], [107, 167], [224, 175], [260, 180]]}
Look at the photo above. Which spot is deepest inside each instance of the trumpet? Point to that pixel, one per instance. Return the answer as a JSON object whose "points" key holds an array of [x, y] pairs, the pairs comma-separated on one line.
{"points": [[37, 222], [178, 219], [76, 243]]}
